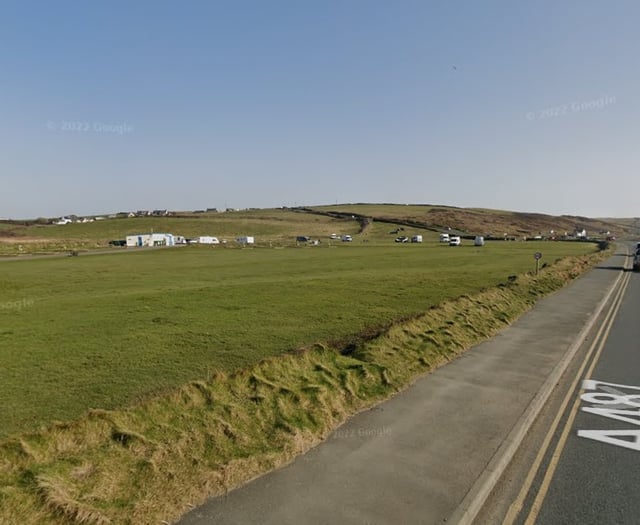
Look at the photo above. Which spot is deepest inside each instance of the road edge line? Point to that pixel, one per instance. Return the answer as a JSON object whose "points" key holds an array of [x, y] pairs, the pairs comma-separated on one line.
{"points": [[470, 507]]}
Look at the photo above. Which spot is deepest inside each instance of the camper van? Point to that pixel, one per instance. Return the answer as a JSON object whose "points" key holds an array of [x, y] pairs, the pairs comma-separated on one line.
{"points": [[444, 237], [478, 241]]}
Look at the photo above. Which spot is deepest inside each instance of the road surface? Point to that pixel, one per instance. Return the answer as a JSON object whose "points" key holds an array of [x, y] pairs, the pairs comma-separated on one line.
{"points": [[581, 462]]}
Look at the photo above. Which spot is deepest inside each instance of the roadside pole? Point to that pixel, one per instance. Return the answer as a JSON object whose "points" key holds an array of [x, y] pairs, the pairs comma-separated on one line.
{"points": [[537, 256]]}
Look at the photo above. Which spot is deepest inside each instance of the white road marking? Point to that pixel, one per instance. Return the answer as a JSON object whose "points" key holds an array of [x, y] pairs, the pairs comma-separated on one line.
{"points": [[613, 402], [611, 437]]}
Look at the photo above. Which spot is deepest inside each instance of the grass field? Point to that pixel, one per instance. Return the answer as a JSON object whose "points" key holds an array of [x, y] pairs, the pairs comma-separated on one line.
{"points": [[268, 226], [102, 331]]}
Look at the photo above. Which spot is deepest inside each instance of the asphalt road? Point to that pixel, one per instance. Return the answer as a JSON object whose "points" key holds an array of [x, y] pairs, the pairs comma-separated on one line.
{"points": [[581, 461], [426, 455]]}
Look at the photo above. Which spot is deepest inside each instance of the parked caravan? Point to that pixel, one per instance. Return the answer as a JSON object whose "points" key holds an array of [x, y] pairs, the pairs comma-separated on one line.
{"points": [[207, 239]]}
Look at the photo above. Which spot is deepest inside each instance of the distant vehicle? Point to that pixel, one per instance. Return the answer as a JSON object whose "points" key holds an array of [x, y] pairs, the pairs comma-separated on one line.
{"points": [[454, 240], [333, 236], [478, 241], [444, 237], [207, 239], [416, 238], [636, 261], [302, 238], [118, 242], [402, 238], [347, 238]]}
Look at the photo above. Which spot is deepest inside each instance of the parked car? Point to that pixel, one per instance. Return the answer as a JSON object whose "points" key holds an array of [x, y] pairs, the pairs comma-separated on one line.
{"points": [[416, 238], [402, 238], [454, 240], [347, 238]]}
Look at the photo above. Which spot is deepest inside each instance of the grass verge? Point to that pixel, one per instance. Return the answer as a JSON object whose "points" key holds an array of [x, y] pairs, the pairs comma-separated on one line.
{"points": [[150, 462]]}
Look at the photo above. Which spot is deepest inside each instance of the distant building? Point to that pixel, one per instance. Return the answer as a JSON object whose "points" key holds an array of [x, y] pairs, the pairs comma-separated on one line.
{"points": [[150, 239]]}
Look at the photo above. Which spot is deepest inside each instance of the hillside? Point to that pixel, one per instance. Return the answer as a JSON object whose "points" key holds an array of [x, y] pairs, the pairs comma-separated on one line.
{"points": [[280, 226], [484, 221]]}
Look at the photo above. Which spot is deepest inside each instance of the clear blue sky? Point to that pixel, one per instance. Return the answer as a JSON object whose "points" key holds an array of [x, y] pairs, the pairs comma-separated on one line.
{"points": [[530, 106]]}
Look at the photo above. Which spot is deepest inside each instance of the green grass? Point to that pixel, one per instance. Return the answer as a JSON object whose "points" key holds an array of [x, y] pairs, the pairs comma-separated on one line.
{"points": [[152, 461], [102, 331]]}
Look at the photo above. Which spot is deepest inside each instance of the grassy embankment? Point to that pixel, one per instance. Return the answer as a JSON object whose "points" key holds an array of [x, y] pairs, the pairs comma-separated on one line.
{"points": [[153, 321]]}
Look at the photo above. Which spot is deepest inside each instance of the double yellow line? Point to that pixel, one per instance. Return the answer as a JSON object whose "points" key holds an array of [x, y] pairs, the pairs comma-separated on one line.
{"points": [[597, 346]]}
